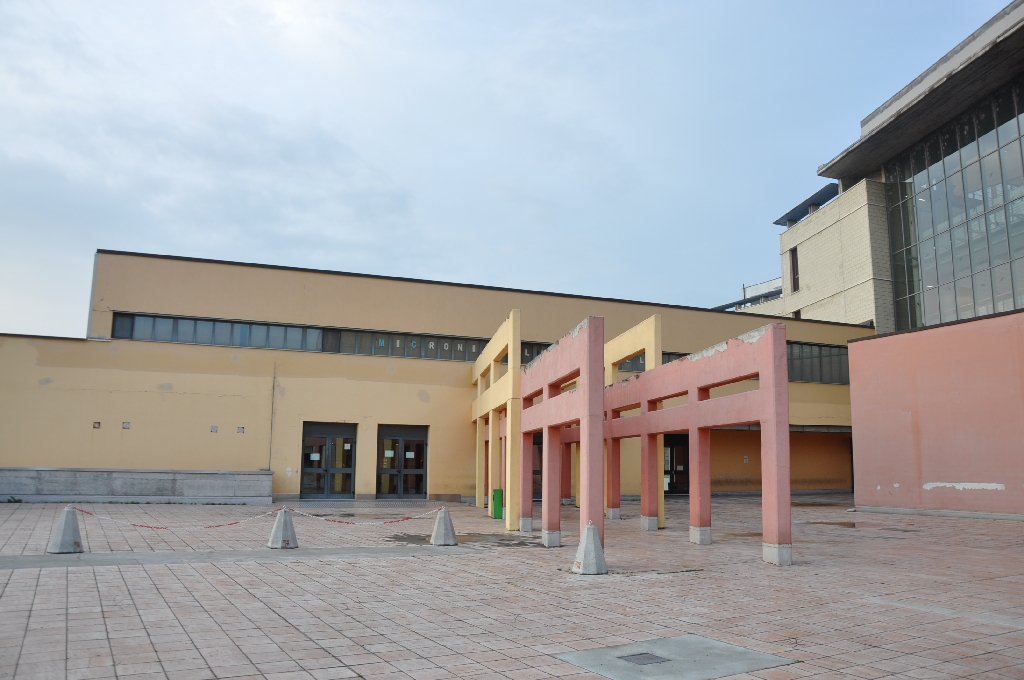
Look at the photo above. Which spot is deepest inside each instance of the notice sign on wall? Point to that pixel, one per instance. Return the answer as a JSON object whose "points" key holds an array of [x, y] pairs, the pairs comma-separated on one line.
{"points": [[389, 454], [348, 446], [410, 454], [314, 456]]}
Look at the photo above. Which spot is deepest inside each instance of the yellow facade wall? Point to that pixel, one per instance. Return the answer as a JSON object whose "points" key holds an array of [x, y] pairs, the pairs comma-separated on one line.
{"points": [[53, 390]]}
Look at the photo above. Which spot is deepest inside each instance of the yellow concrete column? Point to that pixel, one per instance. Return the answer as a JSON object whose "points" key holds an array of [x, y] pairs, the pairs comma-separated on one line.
{"points": [[481, 463], [366, 461], [494, 471], [513, 454]]}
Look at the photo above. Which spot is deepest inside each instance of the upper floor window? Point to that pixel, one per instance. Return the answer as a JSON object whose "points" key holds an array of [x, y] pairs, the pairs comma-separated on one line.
{"points": [[794, 270]]}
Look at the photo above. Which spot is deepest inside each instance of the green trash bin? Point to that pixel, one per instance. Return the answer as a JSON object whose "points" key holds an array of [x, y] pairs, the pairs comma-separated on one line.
{"points": [[496, 503]]}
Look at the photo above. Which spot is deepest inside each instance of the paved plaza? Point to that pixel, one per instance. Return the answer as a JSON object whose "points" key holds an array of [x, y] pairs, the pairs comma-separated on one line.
{"points": [[869, 595]]}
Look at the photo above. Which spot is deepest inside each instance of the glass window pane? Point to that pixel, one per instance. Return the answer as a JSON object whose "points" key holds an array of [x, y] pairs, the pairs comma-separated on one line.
{"points": [[1006, 116], [364, 343], [413, 346], [998, 248], [257, 335], [122, 326], [917, 157], [908, 215], [1015, 227], [204, 332], [445, 346], [163, 329], [1017, 269], [923, 204], [964, 298], [275, 337], [311, 341], [895, 230], [950, 148], [221, 333], [332, 341], [940, 216], [916, 311], [473, 349], [348, 342], [185, 330], [992, 178], [292, 337], [986, 123], [1013, 171], [380, 344], [968, 146], [931, 307], [934, 151], [906, 177], [944, 257], [143, 329], [979, 245], [899, 275], [913, 270], [961, 252], [947, 303], [973, 191], [239, 335], [902, 316], [955, 199], [1002, 288], [929, 273], [983, 293]]}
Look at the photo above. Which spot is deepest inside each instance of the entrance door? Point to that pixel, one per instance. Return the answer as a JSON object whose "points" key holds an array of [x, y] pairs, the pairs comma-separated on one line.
{"points": [[328, 460], [677, 463], [402, 461]]}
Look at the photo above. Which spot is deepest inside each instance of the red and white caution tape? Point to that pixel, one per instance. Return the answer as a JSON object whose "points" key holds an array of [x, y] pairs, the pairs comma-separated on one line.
{"points": [[187, 528]]}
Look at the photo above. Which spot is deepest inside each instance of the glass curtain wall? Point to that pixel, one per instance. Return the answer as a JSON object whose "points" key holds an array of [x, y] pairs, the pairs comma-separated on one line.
{"points": [[956, 217]]}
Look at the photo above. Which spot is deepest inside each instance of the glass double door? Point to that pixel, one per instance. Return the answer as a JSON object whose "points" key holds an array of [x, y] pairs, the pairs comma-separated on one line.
{"points": [[402, 464], [328, 463], [677, 464]]}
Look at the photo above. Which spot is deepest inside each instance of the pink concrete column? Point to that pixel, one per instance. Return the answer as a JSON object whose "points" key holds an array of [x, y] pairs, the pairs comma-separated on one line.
{"points": [[700, 486], [614, 477], [776, 506], [526, 483], [651, 467], [567, 471], [551, 501], [592, 428]]}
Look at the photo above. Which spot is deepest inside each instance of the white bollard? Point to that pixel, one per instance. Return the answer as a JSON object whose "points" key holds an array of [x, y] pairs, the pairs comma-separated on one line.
{"points": [[444, 530], [283, 533], [590, 555], [66, 537]]}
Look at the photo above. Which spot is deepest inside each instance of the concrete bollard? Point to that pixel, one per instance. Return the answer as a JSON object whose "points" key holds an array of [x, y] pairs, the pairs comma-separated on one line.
{"points": [[66, 537], [283, 533], [444, 530], [590, 555]]}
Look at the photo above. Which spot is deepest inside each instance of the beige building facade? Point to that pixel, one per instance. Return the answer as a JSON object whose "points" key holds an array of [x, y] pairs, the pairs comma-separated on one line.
{"points": [[331, 385]]}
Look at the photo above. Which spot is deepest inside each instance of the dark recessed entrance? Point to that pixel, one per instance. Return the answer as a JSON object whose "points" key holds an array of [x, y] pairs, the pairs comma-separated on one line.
{"points": [[402, 461], [677, 464], [328, 460]]}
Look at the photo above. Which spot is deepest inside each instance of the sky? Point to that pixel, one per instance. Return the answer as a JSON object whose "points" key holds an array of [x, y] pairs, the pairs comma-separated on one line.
{"points": [[635, 150]]}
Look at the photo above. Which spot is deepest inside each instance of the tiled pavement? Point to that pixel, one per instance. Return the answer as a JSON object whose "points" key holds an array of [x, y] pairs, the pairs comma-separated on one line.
{"points": [[870, 596]]}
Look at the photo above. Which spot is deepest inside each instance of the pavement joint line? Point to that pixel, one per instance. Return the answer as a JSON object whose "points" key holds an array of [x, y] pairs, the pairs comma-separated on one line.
{"points": [[212, 556], [1015, 623]]}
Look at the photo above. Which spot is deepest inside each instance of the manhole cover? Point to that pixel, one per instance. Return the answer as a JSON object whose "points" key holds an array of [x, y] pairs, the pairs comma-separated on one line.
{"points": [[643, 659]]}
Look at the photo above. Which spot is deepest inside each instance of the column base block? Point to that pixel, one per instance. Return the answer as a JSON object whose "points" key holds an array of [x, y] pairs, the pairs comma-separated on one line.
{"points": [[700, 535], [614, 513], [780, 554], [648, 523], [551, 539], [526, 524]]}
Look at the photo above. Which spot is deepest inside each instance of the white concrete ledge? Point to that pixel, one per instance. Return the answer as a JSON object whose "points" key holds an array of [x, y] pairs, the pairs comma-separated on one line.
{"points": [[779, 554], [551, 539], [967, 514], [105, 485]]}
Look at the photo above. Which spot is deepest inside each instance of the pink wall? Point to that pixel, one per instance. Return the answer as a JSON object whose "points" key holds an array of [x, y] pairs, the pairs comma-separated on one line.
{"points": [[937, 408]]}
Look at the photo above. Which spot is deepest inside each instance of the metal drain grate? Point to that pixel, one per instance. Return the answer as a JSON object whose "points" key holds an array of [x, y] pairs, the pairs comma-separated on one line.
{"points": [[643, 659]]}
